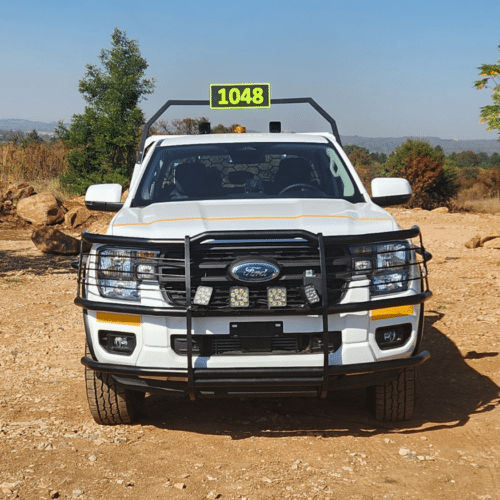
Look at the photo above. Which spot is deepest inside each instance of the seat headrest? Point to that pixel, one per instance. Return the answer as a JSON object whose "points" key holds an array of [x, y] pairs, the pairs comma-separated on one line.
{"points": [[192, 178], [293, 171]]}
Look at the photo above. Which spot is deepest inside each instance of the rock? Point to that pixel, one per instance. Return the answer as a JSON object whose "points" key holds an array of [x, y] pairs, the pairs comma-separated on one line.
{"points": [[51, 240], [488, 239], [213, 495], [8, 488], [14, 192], [474, 242], [41, 209], [180, 486], [24, 191], [441, 210], [77, 216], [492, 243]]}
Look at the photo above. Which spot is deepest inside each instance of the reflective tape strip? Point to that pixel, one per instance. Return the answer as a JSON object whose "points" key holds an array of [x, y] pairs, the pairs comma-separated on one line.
{"points": [[119, 319], [392, 312]]}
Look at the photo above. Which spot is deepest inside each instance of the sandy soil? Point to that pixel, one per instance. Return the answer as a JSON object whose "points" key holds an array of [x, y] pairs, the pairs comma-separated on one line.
{"points": [[255, 449]]}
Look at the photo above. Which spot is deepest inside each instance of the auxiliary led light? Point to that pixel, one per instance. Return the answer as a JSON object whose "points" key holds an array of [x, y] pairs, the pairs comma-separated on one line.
{"points": [[239, 296], [203, 295], [363, 265], [311, 294], [146, 271], [276, 296]]}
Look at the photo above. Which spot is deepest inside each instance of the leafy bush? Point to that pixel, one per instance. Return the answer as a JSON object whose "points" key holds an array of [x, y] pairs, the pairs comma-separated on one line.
{"points": [[433, 180]]}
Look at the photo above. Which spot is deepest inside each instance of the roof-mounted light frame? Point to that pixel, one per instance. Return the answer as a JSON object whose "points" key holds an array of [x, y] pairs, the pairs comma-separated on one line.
{"points": [[291, 100]]}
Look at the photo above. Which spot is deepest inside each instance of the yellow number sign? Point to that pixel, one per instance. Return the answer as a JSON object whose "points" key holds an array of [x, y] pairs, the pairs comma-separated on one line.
{"points": [[240, 95]]}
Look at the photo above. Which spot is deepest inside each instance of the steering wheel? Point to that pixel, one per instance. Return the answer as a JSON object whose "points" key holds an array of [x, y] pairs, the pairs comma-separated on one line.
{"points": [[308, 187]]}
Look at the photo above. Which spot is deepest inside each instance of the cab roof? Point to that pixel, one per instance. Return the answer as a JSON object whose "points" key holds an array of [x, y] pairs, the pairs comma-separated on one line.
{"points": [[181, 140]]}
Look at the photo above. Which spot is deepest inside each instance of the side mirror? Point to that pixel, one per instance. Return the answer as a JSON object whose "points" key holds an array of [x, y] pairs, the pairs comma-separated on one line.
{"points": [[104, 197], [390, 191]]}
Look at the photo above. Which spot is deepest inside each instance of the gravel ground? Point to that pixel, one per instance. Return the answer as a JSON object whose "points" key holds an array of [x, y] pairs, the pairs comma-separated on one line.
{"points": [[253, 449]]}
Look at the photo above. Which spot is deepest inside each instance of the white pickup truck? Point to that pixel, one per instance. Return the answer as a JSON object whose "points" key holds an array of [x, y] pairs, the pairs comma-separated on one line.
{"points": [[251, 265]]}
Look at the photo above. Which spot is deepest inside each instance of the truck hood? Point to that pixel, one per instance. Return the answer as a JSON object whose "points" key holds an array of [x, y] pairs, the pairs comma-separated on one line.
{"points": [[179, 219]]}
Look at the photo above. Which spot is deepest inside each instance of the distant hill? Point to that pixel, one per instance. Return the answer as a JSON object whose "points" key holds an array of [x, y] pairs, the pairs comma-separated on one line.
{"points": [[373, 144], [388, 144], [26, 125]]}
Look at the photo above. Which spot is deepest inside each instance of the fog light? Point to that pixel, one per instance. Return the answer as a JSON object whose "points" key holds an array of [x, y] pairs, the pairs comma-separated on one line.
{"points": [[392, 336], [203, 295], [117, 342], [276, 296], [239, 296]]}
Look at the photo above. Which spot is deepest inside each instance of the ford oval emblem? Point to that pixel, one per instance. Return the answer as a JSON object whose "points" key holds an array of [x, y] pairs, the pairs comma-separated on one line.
{"points": [[254, 271]]}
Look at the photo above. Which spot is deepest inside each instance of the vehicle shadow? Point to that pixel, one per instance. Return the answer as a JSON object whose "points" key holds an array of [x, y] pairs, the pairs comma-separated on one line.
{"points": [[14, 264], [449, 392]]}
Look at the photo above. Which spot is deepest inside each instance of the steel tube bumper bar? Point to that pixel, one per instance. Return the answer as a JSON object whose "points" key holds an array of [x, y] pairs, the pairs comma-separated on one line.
{"points": [[350, 307], [281, 378]]}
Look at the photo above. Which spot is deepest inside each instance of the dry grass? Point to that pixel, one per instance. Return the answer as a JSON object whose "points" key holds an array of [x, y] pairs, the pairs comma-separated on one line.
{"points": [[38, 164], [470, 201], [53, 186], [32, 162]]}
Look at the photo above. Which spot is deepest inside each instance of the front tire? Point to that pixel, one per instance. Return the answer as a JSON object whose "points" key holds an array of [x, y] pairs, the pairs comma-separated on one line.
{"points": [[109, 403], [393, 401]]}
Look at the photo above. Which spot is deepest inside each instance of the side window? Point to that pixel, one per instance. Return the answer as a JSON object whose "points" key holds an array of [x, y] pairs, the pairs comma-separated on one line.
{"points": [[152, 180], [338, 171]]}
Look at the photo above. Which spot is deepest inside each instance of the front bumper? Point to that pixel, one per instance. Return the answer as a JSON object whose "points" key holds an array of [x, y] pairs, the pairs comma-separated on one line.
{"points": [[260, 382]]}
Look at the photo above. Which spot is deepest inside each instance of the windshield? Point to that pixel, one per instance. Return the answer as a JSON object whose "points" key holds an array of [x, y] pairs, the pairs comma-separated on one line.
{"points": [[245, 170]]}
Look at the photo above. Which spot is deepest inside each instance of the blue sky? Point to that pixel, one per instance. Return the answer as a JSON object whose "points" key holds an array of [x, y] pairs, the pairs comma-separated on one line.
{"points": [[380, 68]]}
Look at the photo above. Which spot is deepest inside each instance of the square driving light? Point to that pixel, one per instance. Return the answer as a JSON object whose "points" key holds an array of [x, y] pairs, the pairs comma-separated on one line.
{"points": [[276, 296], [203, 295], [239, 296]]}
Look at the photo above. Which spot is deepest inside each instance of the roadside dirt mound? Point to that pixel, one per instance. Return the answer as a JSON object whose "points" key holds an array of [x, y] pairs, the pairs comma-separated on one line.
{"points": [[253, 449]]}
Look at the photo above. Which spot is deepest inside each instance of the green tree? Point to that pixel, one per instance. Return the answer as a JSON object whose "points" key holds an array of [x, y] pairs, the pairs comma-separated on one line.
{"points": [[378, 157], [490, 114], [467, 159], [358, 155], [102, 141], [494, 161], [33, 138], [434, 181]]}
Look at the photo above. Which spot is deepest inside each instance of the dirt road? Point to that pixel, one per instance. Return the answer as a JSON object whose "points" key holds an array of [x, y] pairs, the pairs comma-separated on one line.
{"points": [[253, 449]]}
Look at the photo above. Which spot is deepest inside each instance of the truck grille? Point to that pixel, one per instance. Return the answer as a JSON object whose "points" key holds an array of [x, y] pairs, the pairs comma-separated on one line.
{"points": [[210, 262], [218, 345]]}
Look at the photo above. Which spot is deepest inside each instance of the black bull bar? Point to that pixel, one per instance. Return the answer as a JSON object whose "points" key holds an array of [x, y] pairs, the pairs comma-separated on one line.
{"points": [[195, 381]]}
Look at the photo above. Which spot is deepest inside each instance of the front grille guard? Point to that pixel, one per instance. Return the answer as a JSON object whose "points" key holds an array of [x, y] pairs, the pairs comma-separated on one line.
{"points": [[325, 308]]}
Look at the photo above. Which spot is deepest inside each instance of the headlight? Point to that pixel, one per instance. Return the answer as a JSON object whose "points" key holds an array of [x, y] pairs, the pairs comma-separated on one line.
{"points": [[120, 271], [388, 265]]}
